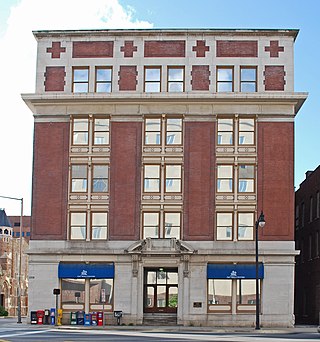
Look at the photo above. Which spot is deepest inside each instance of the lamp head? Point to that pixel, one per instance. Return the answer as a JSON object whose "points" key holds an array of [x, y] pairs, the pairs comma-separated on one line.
{"points": [[261, 220]]}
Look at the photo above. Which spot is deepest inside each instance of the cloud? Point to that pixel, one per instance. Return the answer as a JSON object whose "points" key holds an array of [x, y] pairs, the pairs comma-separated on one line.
{"points": [[18, 61]]}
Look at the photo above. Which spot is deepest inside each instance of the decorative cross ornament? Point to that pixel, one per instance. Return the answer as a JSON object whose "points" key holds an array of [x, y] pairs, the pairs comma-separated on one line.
{"points": [[56, 49], [274, 48], [201, 48], [128, 48]]}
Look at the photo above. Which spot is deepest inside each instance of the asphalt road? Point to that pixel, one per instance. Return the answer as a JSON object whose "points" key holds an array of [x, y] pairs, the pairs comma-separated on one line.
{"points": [[10, 331]]}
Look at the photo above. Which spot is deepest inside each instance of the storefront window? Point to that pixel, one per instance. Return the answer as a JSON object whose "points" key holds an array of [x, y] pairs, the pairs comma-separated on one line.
{"points": [[101, 291], [72, 291], [219, 292]]}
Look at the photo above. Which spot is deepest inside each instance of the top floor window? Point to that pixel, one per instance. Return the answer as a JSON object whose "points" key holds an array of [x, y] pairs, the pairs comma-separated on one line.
{"points": [[80, 80], [175, 79], [152, 79], [248, 79], [224, 79], [318, 205], [103, 79]]}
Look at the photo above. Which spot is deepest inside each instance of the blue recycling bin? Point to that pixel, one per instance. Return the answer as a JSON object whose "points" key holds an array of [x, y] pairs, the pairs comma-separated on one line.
{"points": [[52, 316], [87, 319]]}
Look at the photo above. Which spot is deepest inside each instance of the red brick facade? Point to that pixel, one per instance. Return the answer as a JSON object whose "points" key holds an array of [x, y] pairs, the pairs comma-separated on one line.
{"points": [[128, 49], [200, 77], [237, 48], [165, 48], [128, 77], [275, 179], [125, 188], [50, 181], [274, 77], [199, 181], [54, 78], [92, 50]]}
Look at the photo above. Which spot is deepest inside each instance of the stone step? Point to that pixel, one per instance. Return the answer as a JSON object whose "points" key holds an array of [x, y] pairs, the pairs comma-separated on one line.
{"points": [[159, 319]]}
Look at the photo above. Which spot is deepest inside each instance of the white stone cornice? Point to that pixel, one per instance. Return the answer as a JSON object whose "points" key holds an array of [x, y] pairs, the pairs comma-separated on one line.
{"points": [[271, 103]]}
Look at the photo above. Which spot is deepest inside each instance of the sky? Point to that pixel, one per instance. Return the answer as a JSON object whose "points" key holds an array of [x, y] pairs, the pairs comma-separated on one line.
{"points": [[18, 18]]}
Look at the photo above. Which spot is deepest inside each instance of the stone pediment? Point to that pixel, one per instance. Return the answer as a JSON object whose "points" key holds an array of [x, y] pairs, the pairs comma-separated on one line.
{"points": [[160, 246]]}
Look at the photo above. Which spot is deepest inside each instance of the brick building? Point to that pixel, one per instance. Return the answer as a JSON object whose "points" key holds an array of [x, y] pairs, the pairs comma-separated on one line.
{"points": [[26, 229], [154, 152], [9, 268], [307, 225]]}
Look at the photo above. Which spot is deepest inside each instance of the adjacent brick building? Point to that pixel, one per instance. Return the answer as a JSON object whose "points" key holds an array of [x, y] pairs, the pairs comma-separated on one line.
{"points": [[154, 153], [9, 266], [307, 228]]}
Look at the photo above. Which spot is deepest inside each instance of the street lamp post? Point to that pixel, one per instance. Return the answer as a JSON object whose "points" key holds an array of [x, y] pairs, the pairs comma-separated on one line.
{"points": [[259, 223], [20, 256]]}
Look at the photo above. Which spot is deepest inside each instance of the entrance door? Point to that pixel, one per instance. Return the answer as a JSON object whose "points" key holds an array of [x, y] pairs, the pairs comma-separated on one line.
{"points": [[161, 290]]}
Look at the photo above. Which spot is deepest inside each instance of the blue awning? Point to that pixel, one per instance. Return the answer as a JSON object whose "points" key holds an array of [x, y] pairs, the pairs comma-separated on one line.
{"points": [[82, 270], [234, 271]]}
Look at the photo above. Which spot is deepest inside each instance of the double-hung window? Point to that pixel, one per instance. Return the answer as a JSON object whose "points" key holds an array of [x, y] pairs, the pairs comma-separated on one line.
{"points": [[225, 131], [152, 79], [175, 79], [246, 178], [225, 178], [79, 178], [151, 223], [101, 131], [172, 224], [173, 175], [169, 228], [80, 80], [78, 226], [155, 135], [103, 79], [225, 79], [248, 79], [227, 229], [224, 226], [246, 131], [80, 135], [151, 178], [152, 132], [100, 178], [245, 226], [99, 225], [173, 131]]}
